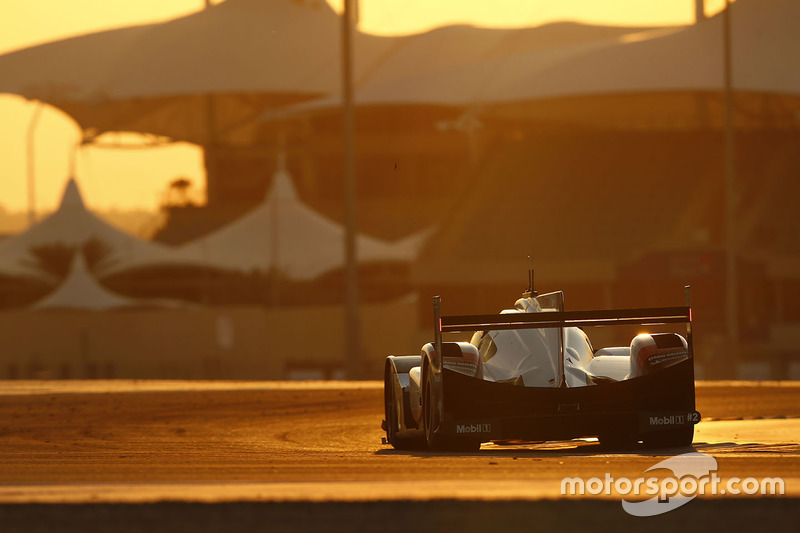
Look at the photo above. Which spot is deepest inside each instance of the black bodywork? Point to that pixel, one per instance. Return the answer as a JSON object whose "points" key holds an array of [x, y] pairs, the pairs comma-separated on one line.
{"points": [[635, 408], [657, 409]]}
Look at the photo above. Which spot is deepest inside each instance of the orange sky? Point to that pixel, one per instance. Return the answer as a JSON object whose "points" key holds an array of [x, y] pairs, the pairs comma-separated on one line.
{"points": [[136, 179]]}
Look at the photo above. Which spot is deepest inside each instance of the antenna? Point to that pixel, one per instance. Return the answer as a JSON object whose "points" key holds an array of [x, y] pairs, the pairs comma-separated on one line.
{"points": [[530, 274], [530, 292]]}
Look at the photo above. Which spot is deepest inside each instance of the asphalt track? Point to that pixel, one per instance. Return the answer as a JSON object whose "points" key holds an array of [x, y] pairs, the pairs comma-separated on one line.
{"points": [[221, 456]]}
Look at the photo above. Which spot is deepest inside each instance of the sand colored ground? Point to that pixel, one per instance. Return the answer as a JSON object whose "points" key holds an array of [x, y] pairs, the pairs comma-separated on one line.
{"points": [[127, 444]]}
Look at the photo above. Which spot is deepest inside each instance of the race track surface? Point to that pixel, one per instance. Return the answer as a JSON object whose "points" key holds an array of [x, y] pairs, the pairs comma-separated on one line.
{"points": [[230, 455]]}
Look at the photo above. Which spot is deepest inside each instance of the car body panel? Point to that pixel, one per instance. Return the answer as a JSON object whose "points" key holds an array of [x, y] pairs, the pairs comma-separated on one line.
{"points": [[530, 373]]}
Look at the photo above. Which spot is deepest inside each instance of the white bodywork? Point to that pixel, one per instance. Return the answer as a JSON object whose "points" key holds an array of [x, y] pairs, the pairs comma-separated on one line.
{"points": [[530, 357], [532, 354]]}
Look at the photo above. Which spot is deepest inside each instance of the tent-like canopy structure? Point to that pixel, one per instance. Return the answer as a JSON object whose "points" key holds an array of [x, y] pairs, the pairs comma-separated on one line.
{"points": [[460, 66], [80, 290], [201, 78], [579, 74], [764, 42], [206, 78], [73, 226], [281, 233], [285, 235], [650, 75]]}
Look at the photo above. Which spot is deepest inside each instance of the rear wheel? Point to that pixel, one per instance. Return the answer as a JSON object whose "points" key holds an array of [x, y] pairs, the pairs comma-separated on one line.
{"points": [[680, 437], [617, 440], [432, 416], [393, 420]]}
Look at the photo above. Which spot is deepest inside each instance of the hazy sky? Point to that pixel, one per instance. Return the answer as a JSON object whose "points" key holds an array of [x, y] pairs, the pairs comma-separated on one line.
{"points": [[136, 179]]}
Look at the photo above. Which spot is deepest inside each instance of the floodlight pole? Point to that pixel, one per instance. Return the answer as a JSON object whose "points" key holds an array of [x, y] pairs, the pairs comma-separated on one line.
{"points": [[731, 201], [34, 122], [352, 347]]}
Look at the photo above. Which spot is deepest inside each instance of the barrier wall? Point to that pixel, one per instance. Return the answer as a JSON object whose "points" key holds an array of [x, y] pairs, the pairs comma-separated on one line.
{"points": [[244, 342]]}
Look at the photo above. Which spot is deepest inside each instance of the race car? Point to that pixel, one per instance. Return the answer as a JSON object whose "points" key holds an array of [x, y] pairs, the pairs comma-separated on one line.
{"points": [[530, 374]]}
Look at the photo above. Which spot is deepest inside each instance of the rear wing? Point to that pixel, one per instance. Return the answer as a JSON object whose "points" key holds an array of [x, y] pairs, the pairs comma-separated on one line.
{"points": [[561, 319]]}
